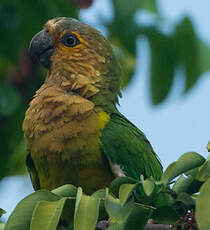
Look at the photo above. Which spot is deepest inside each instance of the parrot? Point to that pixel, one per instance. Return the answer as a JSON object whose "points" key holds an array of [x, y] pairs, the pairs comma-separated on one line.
{"points": [[73, 129]]}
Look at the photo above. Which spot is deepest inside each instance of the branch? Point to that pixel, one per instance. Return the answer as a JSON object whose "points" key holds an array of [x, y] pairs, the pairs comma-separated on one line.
{"points": [[104, 224], [158, 227]]}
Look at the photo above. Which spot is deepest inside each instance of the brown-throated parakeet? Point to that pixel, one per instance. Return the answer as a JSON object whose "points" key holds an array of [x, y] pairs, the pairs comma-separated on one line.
{"points": [[74, 132]]}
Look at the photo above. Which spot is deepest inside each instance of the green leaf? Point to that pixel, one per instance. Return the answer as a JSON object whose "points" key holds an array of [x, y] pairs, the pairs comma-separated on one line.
{"points": [[208, 146], [166, 175], [204, 57], [126, 10], [185, 163], [203, 207], [69, 208], [186, 199], [2, 212], [204, 171], [162, 199], [67, 190], [9, 99], [47, 214], [149, 5], [163, 62], [182, 184], [2, 226], [9, 30], [116, 183], [187, 45], [193, 172], [165, 215], [116, 211], [194, 187], [86, 212], [115, 226], [138, 217], [21, 216], [125, 46], [101, 194], [148, 186], [189, 183], [18, 155], [125, 192], [127, 62], [78, 198]]}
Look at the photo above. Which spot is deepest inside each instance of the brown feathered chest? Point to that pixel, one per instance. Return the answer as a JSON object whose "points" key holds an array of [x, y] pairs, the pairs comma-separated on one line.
{"points": [[62, 131]]}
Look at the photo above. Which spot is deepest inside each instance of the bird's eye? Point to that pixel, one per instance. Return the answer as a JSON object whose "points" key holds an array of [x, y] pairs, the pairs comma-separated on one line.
{"points": [[70, 40]]}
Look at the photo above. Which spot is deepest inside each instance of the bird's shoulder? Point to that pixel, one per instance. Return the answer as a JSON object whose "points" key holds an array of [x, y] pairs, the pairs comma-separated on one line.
{"points": [[127, 148]]}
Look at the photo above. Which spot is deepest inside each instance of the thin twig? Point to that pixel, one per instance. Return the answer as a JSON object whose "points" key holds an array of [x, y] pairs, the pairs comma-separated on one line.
{"points": [[158, 227]]}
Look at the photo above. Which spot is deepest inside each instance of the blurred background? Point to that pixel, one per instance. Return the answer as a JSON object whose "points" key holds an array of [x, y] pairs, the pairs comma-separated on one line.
{"points": [[163, 47]]}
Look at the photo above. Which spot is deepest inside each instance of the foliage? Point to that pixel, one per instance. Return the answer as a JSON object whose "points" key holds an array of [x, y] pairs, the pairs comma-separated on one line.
{"points": [[179, 48], [137, 201]]}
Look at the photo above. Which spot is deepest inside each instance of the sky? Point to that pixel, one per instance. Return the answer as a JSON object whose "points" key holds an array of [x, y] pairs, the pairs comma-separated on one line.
{"points": [[179, 125]]}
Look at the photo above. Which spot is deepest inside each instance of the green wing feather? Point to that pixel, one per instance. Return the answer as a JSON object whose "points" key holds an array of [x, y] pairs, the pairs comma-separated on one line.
{"points": [[32, 172], [125, 145]]}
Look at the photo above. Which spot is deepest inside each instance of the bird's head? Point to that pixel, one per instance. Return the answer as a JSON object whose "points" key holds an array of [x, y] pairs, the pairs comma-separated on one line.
{"points": [[78, 57]]}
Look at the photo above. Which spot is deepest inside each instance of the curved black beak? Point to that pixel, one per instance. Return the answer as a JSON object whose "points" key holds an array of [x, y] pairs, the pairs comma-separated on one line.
{"points": [[41, 47]]}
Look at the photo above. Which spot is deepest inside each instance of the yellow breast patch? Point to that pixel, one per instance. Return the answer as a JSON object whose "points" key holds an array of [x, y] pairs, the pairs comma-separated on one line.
{"points": [[104, 118]]}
